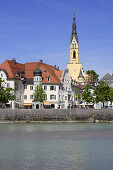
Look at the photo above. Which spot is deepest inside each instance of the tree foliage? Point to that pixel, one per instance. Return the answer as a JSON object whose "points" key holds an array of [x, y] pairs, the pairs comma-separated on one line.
{"points": [[77, 95], [87, 96], [6, 94], [95, 75], [102, 92], [111, 95], [39, 95]]}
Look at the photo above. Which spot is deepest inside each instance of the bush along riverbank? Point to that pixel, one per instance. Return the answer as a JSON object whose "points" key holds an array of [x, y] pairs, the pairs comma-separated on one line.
{"points": [[79, 115]]}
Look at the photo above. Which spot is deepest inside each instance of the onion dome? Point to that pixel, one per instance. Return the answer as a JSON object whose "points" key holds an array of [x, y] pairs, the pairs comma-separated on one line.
{"points": [[37, 72]]}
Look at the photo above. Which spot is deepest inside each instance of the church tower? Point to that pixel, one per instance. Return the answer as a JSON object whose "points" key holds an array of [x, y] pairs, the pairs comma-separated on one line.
{"points": [[74, 46], [75, 67]]}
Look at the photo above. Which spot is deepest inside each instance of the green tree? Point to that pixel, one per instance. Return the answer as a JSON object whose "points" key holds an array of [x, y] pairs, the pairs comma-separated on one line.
{"points": [[102, 92], [77, 95], [6, 94], [111, 95], [39, 95], [87, 96], [95, 75]]}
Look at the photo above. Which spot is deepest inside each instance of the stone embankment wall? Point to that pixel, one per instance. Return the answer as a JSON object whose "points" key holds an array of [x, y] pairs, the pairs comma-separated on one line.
{"points": [[90, 115]]}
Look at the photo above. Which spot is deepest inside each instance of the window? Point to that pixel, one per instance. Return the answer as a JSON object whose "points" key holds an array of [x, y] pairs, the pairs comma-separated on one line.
{"points": [[66, 88], [25, 86], [1, 75], [20, 97], [53, 88], [8, 85], [25, 96], [45, 71], [52, 97], [45, 87], [31, 97], [31, 87], [74, 54], [74, 45], [59, 97], [65, 97], [69, 97], [48, 78]]}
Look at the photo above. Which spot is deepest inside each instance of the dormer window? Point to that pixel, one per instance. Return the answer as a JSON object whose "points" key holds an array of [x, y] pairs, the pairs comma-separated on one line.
{"points": [[1, 75], [48, 78], [45, 71]]}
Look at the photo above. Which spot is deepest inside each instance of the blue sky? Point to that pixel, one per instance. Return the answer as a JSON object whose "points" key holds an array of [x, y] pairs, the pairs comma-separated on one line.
{"points": [[31, 30]]}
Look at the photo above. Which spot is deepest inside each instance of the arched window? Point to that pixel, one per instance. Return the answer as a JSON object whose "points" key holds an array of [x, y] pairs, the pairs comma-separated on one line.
{"points": [[37, 106], [74, 54], [52, 106]]}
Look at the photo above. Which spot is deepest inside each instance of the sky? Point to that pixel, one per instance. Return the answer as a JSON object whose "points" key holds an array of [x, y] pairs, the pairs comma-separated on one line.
{"points": [[31, 30]]}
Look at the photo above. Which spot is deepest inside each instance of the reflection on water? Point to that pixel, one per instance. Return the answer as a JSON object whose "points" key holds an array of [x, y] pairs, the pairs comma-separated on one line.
{"points": [[76, 146]]}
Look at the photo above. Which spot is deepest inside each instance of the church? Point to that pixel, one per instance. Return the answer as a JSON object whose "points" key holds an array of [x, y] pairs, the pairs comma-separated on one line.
{"points": [[75, 67]]}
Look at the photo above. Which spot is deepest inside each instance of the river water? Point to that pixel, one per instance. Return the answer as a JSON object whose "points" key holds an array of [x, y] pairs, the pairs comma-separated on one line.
{"points": [[52, 146]]}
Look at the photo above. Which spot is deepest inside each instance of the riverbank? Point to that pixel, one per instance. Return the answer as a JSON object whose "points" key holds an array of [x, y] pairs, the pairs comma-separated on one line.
{"points": [[55, 115]]}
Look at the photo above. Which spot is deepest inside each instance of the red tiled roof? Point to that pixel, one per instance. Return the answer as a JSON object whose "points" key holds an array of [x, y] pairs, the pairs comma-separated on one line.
{"points": [[81, 86], [12, 68], [28, 68]]}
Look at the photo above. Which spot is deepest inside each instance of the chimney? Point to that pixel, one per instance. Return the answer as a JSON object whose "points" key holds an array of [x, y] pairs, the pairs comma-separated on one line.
{"points": [[58, 68], [41, 61], [14, 60]]}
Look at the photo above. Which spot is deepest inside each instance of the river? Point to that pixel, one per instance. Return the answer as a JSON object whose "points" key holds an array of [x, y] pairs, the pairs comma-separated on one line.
{"points": [[56, 146]]}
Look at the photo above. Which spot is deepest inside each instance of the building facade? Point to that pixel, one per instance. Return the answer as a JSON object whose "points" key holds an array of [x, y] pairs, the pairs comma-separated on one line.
{"points": [[25, 77]]}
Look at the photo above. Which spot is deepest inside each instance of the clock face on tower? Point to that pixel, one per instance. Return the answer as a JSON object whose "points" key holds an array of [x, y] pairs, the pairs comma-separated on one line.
{"points": [[73, 41]]}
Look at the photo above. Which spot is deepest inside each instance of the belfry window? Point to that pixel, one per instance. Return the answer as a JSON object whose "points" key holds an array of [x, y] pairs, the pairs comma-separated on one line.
{"points": [[74, 54]]}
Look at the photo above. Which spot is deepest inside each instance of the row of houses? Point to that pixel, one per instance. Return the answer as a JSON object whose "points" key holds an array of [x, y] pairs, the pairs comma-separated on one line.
{"points": [[58, 85]]}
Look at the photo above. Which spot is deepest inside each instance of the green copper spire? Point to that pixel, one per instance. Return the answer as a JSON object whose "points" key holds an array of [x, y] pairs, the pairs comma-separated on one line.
{"points": [[74, 24], [80, 74]]}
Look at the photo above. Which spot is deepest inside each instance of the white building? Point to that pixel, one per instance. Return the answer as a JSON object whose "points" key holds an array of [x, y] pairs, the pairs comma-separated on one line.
{"points": [[25, 77]]}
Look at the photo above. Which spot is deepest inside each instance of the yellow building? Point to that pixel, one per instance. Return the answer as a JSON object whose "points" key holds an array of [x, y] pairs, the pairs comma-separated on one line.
{"points": [[75, 67]]}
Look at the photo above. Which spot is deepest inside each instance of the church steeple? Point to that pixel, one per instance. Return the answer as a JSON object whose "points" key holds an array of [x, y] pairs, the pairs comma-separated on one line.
{"points": [[74, 33], [75, 67]]}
